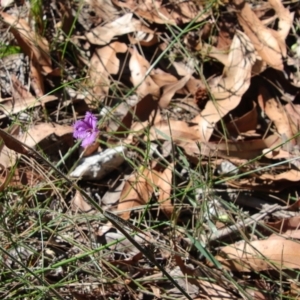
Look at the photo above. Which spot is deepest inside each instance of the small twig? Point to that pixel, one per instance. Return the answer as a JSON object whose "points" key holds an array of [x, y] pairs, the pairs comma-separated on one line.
{"points": [[238, 226]]}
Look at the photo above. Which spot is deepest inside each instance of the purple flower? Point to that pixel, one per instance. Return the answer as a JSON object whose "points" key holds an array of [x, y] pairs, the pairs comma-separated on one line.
{"points": [[86, 130]]}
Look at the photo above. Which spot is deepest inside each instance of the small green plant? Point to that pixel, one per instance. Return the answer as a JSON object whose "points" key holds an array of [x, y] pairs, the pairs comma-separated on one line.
{"points": [[6, 50]]}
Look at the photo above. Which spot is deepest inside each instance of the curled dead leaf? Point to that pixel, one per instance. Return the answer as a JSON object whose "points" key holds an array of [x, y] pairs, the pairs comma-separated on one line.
{"points": [[277, 113], [12, 143], [173, 131], [11, 106], [241, 149], [139, 188], [136, 192], [230, 87], [170, 90], [78, 203], [267, 45], [244, 123], [285, 225], [38, 132], [289, 175], [164, 185], [162, 78], [261, 255], [285, 21], [146, 38], [140, 78], [103, 34], [104, 62]]}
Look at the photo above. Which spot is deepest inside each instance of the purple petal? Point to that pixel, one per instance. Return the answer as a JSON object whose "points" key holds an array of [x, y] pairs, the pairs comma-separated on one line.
{"points": [[89, 139], [86, 130], [91, 120], [81, 135], [80, 129]]}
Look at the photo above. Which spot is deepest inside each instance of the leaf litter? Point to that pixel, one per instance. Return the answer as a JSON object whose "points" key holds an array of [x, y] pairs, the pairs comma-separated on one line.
{"points": [[193, 146]]}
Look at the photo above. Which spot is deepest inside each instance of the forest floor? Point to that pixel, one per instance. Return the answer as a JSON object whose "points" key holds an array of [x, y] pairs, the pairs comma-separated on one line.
{"points": [[149, 149]]}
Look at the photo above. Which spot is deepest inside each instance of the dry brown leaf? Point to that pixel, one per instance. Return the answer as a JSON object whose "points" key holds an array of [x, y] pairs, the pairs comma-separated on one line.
{"points": [[175, 12], [193, 85], [231, 86], [289, 234], [104, 62], [257, 295], [145, 111], [241, 149], [156, 291], [103, 34], [19, 91], [277, 113], [183, 69], [269, 48], [78, 203], [108, 58], [8, 156], [292, 155], [164, 184], [10, 140], [31, 138], [21, 177], [211, 51], [136, 192], [285, 21], [91, 149], [295, 206], [37, 133], [152, 11], [137, 7], [139, 187], [67, 21], [104, 9], [36, 47], [12, 107], [261, 255], [244, 123], [162, 78], [293, 111], [290, 175], [6, 3], [36, 79], [284, 225], [4, 177], [173, 130], [215, 291], [113, 194], [140, 79], [143, 38], [294, 291], [277, 154], [186, 11], [153, 15], [170, 90]]}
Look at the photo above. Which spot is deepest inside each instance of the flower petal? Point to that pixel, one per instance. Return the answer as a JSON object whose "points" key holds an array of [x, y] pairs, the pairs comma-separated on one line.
{"points": [[80, 129], [89, 139], [91, 120], [86, 129]]}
